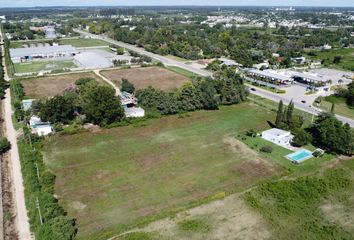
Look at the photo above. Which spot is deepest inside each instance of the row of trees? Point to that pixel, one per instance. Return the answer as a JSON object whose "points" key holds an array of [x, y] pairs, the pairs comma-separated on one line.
{"points": [[53, 223], [226, 88], [97, 103]]}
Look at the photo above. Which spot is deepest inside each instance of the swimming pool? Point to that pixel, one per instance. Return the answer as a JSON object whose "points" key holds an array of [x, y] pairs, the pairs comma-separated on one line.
{"points": [[299, 156]]}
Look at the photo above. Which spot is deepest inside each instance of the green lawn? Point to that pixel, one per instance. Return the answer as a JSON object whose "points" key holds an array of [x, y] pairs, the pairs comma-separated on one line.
{"points": [[119, 177], [346, 63], [83, 42], [340, 107], [43, 66]]}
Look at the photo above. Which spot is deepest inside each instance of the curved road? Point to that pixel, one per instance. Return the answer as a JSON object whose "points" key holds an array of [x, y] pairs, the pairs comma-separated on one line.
{"points": [[170, 62]]}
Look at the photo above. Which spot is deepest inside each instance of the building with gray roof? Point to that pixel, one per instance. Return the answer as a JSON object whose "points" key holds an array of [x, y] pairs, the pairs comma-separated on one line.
{"points": [[40, 53]]}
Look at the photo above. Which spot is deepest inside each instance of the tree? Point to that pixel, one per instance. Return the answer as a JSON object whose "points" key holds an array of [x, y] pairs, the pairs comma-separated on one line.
{"points": [[189, 98], [302, 137], [101, 106], [127, 86], [330, 133], [57, 109], [58, 228], [332, 107], [279, 117], [208, 95], [289, 112], [83, 81]]}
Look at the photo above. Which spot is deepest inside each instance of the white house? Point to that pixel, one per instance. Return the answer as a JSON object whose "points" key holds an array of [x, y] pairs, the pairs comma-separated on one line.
{"points": [[39, 127], [278, 136]]}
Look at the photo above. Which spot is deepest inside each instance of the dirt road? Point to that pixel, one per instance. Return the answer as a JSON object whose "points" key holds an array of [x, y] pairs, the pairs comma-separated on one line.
{"points": [[19, 196]]}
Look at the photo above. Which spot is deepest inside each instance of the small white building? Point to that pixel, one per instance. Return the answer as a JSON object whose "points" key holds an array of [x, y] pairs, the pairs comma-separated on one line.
{"points": [[39, 127], [278, 136]]}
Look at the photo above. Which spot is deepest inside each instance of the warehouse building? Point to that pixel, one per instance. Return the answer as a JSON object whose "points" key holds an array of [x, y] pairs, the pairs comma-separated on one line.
{"points": [[41, 53]]}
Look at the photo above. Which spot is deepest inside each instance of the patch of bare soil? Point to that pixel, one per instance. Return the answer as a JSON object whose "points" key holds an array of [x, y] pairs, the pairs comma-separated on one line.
{"points": [[156, 77], [229, 218], [9, 227], [53, 85], [340, 214], [254, 167]]}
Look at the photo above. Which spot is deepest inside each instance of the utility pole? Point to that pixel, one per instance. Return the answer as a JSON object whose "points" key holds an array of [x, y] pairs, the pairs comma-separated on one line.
{"points": [[39, 211]]}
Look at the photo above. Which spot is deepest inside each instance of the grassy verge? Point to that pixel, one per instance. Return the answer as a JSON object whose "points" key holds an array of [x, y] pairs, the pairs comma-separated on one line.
{"points": [[181, 71], [270, 89]]}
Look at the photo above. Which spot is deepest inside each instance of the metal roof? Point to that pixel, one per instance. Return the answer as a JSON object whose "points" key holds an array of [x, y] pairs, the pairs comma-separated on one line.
{"points": [[308, 76], [21, 52], [270, 74]]}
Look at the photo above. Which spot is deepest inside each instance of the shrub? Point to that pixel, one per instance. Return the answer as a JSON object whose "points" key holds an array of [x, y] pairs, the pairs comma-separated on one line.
{"points": [[302, 137], [5, 145], [194, 225], [83, 81], [266, 149]]}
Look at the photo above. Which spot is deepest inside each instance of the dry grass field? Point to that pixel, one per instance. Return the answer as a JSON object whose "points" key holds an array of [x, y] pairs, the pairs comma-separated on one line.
{"points": [[113, 179], [50, 86], [156, 77]]}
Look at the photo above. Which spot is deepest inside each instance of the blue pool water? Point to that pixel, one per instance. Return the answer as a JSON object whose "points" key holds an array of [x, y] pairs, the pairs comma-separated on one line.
{"points": [[299, 156]]}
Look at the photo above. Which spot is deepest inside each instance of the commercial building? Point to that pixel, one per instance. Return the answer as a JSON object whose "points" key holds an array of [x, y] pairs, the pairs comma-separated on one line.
{"points": [[313, 81], [278, 136], [41, 53], [268, 77]]}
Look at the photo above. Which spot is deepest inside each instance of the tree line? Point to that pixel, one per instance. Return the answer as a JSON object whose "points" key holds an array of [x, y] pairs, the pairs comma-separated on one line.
{"points": [[202, 93]]}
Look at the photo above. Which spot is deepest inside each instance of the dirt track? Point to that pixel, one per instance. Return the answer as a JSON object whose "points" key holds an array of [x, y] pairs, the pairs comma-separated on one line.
{"points": [[22, 222]]}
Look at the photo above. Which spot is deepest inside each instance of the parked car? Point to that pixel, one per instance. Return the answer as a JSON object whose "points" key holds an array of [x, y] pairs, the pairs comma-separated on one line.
{"points": [[303, 101], [253, 89]]}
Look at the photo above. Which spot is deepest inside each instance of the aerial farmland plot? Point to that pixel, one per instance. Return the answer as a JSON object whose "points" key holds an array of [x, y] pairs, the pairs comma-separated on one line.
{"points": [[49, 86], [114, 179], [156, 77]]}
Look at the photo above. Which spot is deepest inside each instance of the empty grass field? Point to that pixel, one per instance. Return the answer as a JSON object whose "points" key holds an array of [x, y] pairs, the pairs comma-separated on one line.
{"points": [[119, 177], [43, 66], [156, 77], [347, 57], [50, 86]]}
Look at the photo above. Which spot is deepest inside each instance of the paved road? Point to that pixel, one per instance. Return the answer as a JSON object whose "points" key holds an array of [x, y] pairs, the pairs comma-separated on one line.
{"points": [[299, 105], [19, 195], [170, 62]]}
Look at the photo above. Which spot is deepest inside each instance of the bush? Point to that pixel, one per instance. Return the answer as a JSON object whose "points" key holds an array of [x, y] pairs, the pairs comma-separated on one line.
{"points": [[5, 145], [83, 81], [195, 225], [266, 149], [127, 86]]}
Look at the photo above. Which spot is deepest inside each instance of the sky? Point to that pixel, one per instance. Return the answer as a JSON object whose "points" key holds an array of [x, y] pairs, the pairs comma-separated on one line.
{"points": [[32, 3]]}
